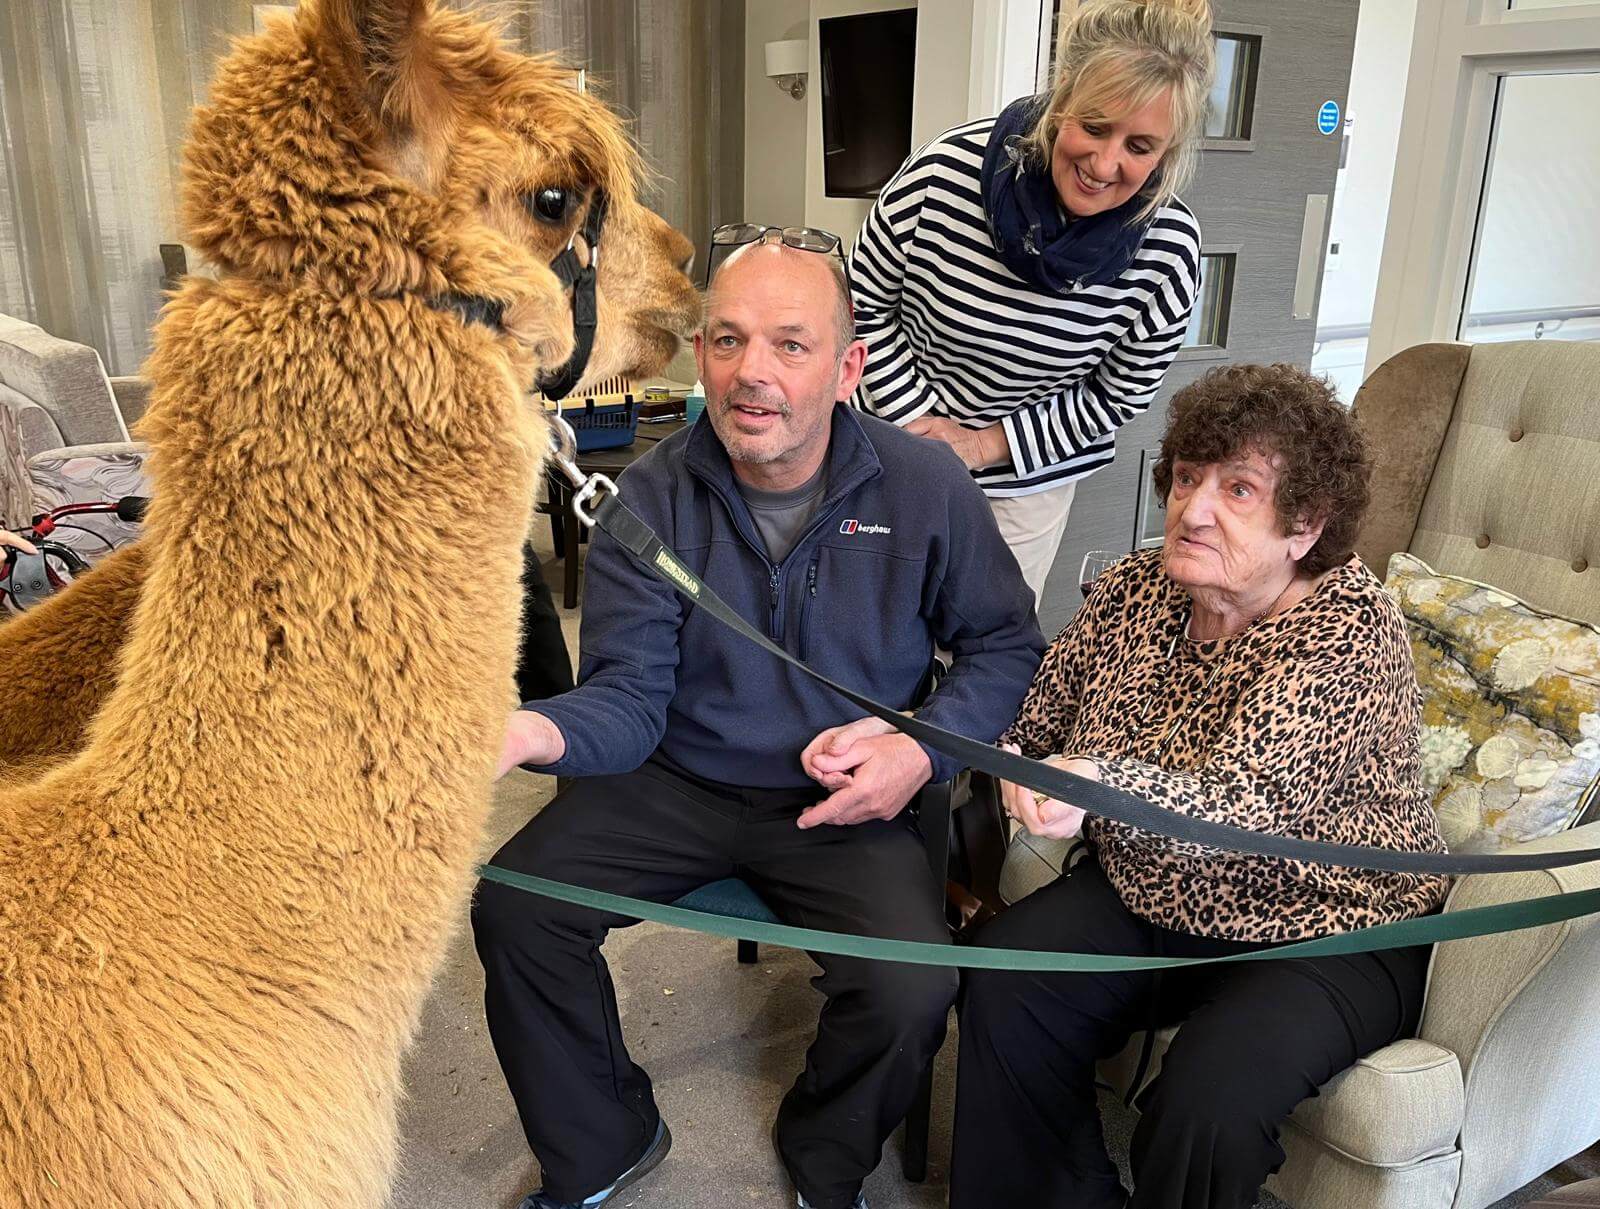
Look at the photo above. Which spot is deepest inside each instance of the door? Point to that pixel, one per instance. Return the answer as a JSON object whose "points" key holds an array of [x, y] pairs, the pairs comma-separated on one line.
{"points": [[1262, 197]]}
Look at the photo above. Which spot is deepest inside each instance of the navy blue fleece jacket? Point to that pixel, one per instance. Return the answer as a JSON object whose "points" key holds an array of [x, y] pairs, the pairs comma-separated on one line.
{"points": [[903, 553]]}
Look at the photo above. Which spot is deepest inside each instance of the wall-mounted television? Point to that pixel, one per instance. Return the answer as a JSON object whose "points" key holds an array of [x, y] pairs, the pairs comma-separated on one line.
{"points": [[868, 61]]}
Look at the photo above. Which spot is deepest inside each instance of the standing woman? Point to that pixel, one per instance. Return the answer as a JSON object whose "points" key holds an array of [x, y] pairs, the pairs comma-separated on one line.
{"points": [[1024, 281]]}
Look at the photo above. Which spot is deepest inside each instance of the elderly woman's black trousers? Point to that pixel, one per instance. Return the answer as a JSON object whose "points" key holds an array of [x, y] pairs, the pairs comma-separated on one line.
{"points": [[1256, 1039]]}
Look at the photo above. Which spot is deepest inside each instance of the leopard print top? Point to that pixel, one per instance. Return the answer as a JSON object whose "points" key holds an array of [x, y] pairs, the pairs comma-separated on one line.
{"points": [[1304, 724]]}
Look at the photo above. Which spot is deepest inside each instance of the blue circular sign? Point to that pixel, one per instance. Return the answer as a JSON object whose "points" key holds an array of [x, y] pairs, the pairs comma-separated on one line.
{"points": [[1328, 117]]}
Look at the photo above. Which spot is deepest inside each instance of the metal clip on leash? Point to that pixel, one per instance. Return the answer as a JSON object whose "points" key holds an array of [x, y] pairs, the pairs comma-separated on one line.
{"points": [[585, 487]]}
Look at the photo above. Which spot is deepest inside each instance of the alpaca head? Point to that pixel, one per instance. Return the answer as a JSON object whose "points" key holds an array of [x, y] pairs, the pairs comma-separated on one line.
{"points": [[395, 146]]}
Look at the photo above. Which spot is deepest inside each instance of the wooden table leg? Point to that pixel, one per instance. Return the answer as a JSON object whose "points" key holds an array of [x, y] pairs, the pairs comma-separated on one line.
{"points": [[553, 497]]}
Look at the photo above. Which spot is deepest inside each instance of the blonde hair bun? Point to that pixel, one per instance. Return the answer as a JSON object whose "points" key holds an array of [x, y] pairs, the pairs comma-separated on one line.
{"points": [[1195, 10]]}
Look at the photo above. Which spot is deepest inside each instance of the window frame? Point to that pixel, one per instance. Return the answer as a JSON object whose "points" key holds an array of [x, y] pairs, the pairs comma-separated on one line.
{"points": [[1257, 36], [1460, 49], [1216, 351]]}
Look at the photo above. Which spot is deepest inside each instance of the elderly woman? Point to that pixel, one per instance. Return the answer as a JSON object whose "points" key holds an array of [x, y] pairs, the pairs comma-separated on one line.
{"points": [[1024, 281], [1253, 672]]}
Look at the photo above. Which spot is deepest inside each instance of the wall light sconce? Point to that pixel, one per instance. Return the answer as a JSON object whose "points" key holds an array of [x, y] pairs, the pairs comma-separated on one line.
{"points": [[786, 63]]}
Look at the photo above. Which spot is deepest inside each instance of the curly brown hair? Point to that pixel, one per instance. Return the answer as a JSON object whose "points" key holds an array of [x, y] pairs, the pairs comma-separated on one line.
{"points": [[1293, 418]]}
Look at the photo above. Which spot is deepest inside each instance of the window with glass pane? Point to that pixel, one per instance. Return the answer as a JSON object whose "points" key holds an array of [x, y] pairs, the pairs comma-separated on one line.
{"points": [[1519, 5], [1233, 94], [1536, 251], [1151, 523], [1208, 322]]}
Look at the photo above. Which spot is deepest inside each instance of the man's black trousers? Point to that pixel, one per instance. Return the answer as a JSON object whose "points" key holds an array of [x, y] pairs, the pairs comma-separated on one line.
{"points": [[657, 833], [1257, 1038]]}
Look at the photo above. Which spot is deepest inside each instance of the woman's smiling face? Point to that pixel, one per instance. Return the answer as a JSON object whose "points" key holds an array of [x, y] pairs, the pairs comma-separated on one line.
{"points": [[1099, 164]]}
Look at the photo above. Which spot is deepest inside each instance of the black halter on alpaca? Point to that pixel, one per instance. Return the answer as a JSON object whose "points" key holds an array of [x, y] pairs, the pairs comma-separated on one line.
{"points": [[585, 311], [573, 275]]}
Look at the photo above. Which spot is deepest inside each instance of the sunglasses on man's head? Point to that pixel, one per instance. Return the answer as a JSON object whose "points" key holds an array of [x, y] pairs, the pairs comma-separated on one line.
{"points": [[736, 234]]}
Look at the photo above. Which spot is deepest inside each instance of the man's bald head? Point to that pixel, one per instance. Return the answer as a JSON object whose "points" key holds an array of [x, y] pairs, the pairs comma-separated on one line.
{"points": [[807, 268], [772, 362]]}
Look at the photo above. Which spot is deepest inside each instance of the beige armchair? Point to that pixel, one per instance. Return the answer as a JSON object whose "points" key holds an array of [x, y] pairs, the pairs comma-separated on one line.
{"points": [[1488, 467], [64, 435]]}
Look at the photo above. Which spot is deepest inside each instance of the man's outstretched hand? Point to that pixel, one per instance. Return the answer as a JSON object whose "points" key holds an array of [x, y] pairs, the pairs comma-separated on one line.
{"points": [[871, 769], [530, 738]]}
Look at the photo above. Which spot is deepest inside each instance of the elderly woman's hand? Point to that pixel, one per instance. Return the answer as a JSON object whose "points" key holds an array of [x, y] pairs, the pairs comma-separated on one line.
{"points": [[1044, 816]]}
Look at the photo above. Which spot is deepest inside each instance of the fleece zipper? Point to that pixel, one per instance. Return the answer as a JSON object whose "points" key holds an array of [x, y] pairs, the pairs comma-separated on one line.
{"points": [[805, 611], [775, 572]]}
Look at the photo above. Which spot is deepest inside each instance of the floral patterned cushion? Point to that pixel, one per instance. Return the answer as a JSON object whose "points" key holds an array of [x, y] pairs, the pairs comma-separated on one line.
{"points": [[1510, 708]]}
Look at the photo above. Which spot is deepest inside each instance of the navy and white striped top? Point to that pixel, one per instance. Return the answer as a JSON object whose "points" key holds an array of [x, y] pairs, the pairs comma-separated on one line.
{"points": [[952, 332]]}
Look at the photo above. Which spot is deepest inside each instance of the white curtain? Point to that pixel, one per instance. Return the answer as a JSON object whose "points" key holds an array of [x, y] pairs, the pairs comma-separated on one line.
{"points": [[95, 96], [675, 69]]}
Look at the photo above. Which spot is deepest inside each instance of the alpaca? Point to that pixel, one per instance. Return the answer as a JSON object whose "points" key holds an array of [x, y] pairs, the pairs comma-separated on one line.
{"points": [[60, 661], [224, 900]]}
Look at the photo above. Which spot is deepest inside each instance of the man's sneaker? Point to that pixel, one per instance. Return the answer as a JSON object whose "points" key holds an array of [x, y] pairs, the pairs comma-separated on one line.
{"points": [[860, 1201], [648, 1162]]}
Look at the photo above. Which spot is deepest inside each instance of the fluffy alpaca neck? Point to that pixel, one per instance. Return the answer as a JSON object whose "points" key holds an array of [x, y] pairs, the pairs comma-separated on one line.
{"points": [[321, 660]]}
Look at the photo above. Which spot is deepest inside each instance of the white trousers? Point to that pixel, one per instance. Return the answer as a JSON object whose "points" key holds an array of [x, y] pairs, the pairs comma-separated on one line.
{"points": [[1032, 526]]}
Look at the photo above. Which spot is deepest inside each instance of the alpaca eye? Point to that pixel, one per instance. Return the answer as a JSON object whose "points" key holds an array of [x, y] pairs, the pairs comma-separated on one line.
{"points": [[550, 204]]}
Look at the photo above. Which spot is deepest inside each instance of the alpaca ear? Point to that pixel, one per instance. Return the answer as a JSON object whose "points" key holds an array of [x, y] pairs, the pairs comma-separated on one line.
{"points": [[378, 47]]}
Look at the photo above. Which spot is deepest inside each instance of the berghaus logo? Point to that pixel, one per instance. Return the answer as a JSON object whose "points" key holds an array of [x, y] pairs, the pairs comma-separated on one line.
{"points": [[854, 526]]}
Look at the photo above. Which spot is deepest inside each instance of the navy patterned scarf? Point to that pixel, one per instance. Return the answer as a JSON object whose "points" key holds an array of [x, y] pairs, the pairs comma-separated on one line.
{"points": [[1032, 233]]}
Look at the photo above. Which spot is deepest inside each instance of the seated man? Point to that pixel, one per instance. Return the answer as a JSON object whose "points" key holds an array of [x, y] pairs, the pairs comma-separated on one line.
{"points": [[858, 547]]}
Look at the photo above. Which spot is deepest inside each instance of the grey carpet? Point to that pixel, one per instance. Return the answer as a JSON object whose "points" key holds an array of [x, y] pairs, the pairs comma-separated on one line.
{"points": [[722, 1042]]}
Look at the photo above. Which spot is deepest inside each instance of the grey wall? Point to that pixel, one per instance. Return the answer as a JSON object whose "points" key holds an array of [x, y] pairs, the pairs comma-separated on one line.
{"points": [[944, 65], [774, 122], [1257, 199]]}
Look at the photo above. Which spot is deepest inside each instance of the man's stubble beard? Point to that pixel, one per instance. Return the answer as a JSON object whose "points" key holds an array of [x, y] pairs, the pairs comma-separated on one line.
{"points": [[761, 456]]}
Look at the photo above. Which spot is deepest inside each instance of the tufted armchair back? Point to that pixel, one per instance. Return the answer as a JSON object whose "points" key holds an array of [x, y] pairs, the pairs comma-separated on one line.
{"points": [[1488, 467], [63, 438]]}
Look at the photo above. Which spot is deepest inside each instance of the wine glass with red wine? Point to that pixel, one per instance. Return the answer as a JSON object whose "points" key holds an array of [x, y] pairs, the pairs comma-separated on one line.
{"points": [[1094, 562]]}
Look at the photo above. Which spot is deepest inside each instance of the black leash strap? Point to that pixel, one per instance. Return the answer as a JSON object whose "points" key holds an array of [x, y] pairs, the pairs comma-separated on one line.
{"points": [[612, 515]]}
